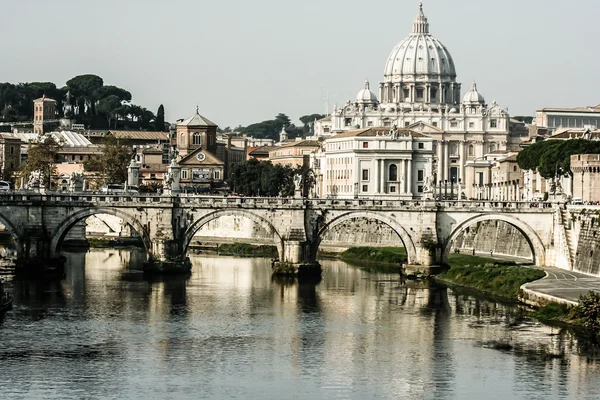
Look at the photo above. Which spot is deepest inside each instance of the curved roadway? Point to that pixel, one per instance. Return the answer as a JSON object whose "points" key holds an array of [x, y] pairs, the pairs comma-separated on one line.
{"points": [[567, 285]]}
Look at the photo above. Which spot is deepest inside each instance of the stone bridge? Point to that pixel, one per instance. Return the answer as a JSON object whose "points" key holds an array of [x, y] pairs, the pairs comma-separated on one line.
{"points": [[39, 223]]}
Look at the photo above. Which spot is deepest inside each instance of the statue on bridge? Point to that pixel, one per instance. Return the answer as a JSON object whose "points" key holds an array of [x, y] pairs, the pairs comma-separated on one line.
{"points": [[76, 182], [36, 180]]}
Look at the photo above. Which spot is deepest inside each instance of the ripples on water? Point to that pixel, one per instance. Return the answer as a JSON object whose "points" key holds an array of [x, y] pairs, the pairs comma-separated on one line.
{"points": [[231, 331]]}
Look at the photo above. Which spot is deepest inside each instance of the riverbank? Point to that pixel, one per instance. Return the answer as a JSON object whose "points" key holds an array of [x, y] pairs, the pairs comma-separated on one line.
{"points": [[387, 256], [504, 279], [102, 243], [246, 250]]}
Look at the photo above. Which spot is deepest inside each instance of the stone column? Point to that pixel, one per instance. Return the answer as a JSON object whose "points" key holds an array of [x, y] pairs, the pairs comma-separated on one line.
{"points": [[446, 143], [410, 178], [428, 94], [461, 171], [175, 173], [383, 180], [377, 177], [440, 156]]}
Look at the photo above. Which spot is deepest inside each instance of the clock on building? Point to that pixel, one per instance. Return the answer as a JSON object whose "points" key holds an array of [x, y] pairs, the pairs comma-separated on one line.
{"points": [[201, 156]]}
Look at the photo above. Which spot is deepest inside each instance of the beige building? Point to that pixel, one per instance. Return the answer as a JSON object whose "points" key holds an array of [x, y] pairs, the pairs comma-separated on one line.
{"points": [[294, 154], [10, 153], [586, 177], [195, 133], [562, 118], [44, 113], [506, 180]]}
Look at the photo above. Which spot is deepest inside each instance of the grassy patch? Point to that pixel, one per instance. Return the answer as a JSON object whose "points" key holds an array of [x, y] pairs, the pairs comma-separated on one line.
{"points": [[499, 280], [375, 255], [456, 260], [247, 250]]}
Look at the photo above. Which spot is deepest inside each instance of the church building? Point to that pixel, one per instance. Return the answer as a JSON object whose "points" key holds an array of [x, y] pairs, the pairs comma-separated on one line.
{"points": [[420, 92]]}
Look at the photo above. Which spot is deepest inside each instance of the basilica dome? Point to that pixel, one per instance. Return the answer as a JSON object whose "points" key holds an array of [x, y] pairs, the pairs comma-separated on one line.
{"points": [[420, 54], [365, 96], [473, 96]]}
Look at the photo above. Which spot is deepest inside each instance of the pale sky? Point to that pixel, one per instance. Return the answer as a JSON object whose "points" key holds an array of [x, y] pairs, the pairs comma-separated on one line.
{"points": [[244, 61]]}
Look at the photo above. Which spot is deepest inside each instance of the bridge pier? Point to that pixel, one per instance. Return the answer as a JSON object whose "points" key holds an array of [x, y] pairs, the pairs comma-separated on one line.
{"points": [[167, 257], [297, 260], [35, 259]]}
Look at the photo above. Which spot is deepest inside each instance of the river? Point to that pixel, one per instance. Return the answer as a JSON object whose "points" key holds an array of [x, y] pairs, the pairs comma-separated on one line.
{"points": [[231, 331]]}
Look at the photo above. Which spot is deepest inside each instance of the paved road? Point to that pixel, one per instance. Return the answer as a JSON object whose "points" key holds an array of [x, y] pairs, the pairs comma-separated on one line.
{"points": [[566, 285]]}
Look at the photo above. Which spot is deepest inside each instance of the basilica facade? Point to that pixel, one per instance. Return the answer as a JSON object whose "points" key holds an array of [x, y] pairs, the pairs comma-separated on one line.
{"points": [[419, 92]]}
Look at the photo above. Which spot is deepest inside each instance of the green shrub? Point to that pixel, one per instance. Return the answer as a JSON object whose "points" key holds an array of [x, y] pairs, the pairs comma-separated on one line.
{"points": [[588, 311], [378, 255]]}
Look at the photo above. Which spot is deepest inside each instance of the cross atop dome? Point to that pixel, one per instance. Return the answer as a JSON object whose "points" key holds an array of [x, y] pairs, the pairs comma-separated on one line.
{"points": [[421, 25]]}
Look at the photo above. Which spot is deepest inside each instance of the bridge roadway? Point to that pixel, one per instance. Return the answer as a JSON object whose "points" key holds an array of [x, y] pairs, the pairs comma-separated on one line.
{"points": [[167, 224]]}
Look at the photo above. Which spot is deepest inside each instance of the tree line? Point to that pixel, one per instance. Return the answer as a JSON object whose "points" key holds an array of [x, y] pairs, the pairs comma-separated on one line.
{"points": [[86, 99], [552, 158], [270, 129], [263, 178]]}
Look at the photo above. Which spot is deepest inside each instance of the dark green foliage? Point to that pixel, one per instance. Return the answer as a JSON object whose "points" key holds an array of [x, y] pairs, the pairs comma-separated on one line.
{"points": [[247, 250], [457, 260], [159, 123], [254, 178], [41, 156], [588, 311], [378, 255], [271, 129], [554, 312], [553, 157], [92, 103], [112, 162], [504, 281]]}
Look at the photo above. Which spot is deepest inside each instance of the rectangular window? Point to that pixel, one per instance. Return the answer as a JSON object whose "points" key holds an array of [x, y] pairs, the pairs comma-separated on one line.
{"points": [[453, 124], [420, 175], [184, 174], [406, 123], [12, 149], [348, 121], [420, 93], [421, 145], [471, 124], [387, 123], [392, 189], [435, 124], [365, 174], [217, 174], [494, 123], [365, 145], [420, 189], [370, 123], [365, 188]]}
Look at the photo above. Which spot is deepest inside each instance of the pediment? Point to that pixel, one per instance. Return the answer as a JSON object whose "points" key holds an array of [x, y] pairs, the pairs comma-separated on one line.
{"points": [[424, 128]]}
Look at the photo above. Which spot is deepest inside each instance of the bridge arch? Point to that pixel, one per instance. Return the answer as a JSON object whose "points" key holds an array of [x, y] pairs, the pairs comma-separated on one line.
{"points": [[63, 228], [535, 243], [205, 219], [411, 252], [14, 233]]}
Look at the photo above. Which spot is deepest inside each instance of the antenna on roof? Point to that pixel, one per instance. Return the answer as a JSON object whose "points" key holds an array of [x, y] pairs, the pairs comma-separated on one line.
{"points": [[326, 99]]}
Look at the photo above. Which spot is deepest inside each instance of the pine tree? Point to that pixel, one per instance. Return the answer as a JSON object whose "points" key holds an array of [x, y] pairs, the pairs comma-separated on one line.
{"points": [[159, 121]]}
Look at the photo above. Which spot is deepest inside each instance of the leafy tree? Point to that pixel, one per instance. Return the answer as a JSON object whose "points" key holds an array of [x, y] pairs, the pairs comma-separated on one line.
{"points": [[109, 90], [112, 162], [553, 157], [262, 178], [108, 107], [159, 122], [41, 156]]}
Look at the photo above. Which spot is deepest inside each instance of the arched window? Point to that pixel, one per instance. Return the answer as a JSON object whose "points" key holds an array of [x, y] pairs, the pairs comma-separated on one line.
{"points": [[393, 173], [182, 138], [196, 139], [492, 148], [471, 150]]}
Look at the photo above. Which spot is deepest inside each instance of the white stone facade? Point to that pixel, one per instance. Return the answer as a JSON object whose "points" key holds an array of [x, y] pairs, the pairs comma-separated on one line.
{"points": [[376, 163], [419, 91]]}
